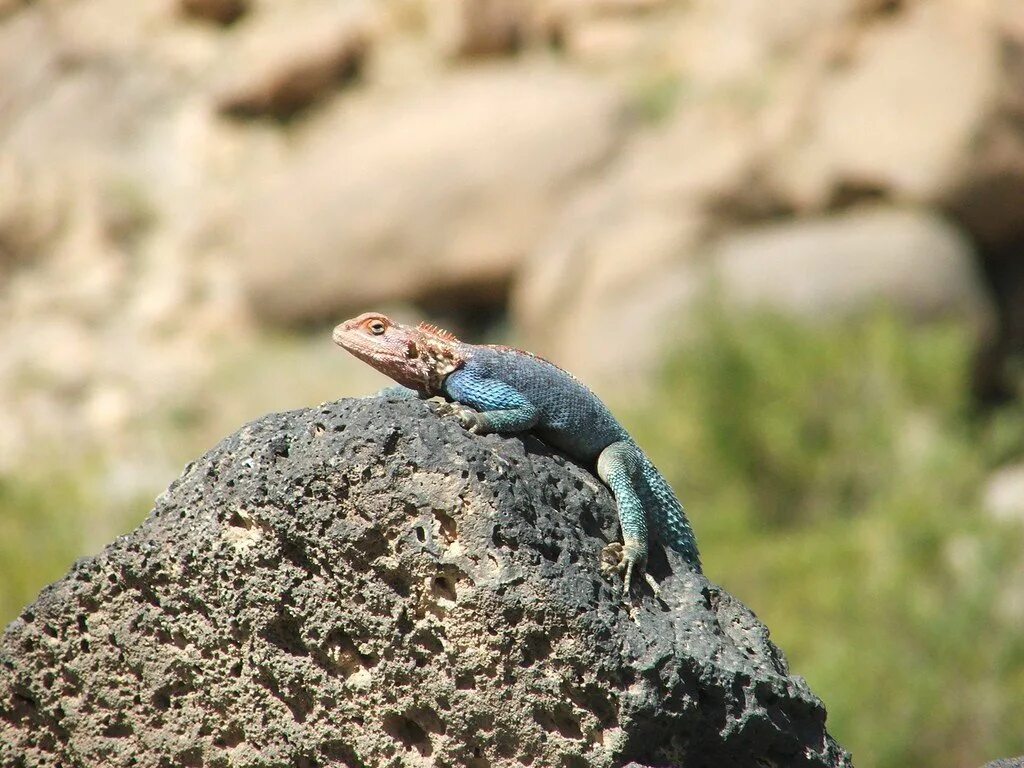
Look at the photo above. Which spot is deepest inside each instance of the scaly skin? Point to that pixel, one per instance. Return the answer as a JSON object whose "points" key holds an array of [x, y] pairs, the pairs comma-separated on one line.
{"points": [[505, 390]]}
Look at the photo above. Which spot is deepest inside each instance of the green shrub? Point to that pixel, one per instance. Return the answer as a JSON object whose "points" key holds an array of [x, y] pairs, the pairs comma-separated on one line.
{"points": [[39, 531], [834, 475], [48, 518]]}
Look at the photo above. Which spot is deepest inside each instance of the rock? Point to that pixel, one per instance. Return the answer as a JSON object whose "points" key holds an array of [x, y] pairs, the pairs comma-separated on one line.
{"points": [[31, 213], [897, 111], [986, 201], [1003, 496], [618, 264], [649, 274], [587, 30], [283, 63], [606, 40], [914, 262], [792, 114], [8, 7], [435, 197], [1006, 762], [990, 192], [364, 583], [473, 28], [101, 191], [217, 11]]}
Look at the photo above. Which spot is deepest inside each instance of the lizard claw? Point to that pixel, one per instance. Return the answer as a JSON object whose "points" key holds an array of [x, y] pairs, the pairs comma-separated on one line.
{"points": [[611, 559], [469, 419], [618, 558]]}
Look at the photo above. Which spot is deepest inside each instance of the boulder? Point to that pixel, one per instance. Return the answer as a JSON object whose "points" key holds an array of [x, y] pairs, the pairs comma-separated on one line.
{"points": [[365, 583], [911, 261], [475, 28], [217, 11], [284, 62], [986, 201], [438, 195], [650, 273], [606, 285], [1003, 496], [466, 29], [102, 186], [989, 193], [897, 110], [793, 114]]}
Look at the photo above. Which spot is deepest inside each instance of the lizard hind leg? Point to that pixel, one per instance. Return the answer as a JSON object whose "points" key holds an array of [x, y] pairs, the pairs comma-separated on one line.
{"points": [[619, 466]]}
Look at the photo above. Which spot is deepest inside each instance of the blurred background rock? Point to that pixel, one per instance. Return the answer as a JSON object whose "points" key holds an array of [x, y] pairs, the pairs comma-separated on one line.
{"points": [[785, 240]]}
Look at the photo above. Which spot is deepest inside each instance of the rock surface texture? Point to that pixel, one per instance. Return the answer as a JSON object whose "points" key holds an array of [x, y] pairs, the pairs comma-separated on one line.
{"points": [[1006, 762], [365, 584]]}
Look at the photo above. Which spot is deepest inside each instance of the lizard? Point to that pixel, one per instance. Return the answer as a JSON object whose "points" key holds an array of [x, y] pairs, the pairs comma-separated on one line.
{"points": [[504, 390]]}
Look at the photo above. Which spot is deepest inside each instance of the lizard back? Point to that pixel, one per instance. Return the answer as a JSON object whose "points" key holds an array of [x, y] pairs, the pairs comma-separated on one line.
{"points": [[572, 417]]}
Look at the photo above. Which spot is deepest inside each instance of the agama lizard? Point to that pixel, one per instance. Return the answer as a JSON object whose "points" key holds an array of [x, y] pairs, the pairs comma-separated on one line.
{"points": [[505, 390]]}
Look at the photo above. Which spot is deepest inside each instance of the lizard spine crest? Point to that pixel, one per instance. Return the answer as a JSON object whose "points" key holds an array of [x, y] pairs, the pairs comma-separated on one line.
{"points": [[440, 333]]}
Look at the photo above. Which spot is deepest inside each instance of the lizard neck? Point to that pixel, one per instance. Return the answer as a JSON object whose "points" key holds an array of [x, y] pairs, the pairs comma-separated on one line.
{"points": [[439, 360]]}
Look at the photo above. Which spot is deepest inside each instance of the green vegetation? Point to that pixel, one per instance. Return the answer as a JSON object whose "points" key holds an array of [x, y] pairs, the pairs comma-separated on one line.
{"points": [[47, 519], [834, 476], [657, 94], [38, 539]]}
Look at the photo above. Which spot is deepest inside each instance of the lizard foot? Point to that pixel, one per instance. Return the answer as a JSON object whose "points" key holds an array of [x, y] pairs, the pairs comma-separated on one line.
{"points": [[618, 558], [471, 421]]}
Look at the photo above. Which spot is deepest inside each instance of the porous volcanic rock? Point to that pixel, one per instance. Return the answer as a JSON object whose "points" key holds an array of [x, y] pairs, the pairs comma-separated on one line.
{"points": [[1006, 762], [366, 584]]}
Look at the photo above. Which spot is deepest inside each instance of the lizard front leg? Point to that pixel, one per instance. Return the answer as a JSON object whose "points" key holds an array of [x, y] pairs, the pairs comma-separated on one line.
{"points": [[619, 466], [503, 422], [484, 405]]}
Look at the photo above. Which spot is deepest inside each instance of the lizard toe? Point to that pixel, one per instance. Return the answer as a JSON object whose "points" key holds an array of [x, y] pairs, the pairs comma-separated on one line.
{"points": [[468, 418], [612, 559], [443, 408], [619, 558], [469, 421], [472, 421]]}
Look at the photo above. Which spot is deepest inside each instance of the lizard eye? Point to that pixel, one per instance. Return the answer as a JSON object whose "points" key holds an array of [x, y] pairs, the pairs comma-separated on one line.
{"points": [[377, 328]]}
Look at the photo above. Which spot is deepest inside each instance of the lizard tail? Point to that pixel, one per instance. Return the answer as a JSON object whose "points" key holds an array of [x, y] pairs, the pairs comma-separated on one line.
{"points": [[667, 516]]}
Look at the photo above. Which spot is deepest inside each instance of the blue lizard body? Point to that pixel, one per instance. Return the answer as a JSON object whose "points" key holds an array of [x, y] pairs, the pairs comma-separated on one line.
{"points": [[568, 415], [506, 390], [514, 391]]}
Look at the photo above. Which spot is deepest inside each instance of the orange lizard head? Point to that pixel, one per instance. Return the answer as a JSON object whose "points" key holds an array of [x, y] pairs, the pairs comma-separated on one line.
{"points": [[419, 358]]}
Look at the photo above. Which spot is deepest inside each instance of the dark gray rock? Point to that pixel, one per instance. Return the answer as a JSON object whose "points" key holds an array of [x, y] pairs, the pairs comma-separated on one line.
{"points": [[366, 584], [1006, 762]]}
